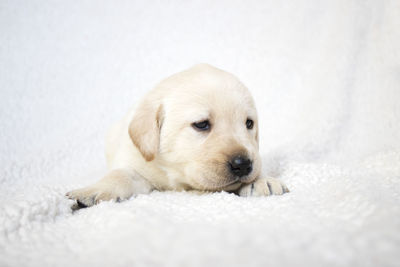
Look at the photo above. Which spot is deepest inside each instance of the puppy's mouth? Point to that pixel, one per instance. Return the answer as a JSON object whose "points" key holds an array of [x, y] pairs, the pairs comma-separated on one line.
{"points": [[234, 185], [229, 183], [223, 179], [229, 186]]}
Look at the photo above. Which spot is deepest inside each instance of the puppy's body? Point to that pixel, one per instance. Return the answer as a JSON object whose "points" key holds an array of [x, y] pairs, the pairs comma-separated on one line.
{"points": [[196, 130]]}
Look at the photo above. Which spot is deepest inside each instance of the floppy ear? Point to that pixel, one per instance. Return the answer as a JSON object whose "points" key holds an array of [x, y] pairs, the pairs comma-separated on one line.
{"points": [[144, 128]]}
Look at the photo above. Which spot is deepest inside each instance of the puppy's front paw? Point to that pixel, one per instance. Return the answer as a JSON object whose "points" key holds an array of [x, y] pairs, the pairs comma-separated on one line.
{"points": [[263, 187], [91, 195]]}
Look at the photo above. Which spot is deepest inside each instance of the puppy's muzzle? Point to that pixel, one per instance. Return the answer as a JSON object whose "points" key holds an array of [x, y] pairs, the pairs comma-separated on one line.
{"points": [[240, 166]]}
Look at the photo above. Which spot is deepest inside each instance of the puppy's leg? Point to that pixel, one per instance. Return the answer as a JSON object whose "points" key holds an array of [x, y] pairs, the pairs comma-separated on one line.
{"points": [[118, 184], [263, 187]]}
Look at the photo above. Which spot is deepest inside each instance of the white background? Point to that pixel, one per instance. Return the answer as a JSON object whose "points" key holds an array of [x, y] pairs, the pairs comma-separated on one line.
{"points": [[326, 80]]}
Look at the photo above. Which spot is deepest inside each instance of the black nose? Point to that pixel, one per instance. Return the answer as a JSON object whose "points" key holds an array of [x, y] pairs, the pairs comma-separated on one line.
{"points": [[240, 166]]}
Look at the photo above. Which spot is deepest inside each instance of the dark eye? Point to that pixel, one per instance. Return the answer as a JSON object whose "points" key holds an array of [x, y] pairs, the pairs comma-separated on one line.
{"points": [[202, 125], [249, 124]]}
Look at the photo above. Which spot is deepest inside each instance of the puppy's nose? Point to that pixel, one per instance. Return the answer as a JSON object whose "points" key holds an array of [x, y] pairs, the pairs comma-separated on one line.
{"points": [[240, 166]]}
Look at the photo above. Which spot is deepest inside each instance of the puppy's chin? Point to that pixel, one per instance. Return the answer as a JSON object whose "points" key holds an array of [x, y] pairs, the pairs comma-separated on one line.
{"points": [[248, 179], [215, 177], [215, 187], [232, 187], [220, 184]]}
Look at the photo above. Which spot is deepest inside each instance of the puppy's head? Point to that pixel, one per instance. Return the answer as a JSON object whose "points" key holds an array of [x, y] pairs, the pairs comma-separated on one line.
{"points": [[200, 126]]}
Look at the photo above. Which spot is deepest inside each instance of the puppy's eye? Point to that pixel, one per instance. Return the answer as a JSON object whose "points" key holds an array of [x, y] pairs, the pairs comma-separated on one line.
{"points": [[202, 125], [249, 124]]}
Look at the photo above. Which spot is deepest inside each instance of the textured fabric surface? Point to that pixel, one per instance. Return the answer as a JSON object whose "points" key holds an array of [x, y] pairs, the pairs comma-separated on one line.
{"points": [[326, 80]]}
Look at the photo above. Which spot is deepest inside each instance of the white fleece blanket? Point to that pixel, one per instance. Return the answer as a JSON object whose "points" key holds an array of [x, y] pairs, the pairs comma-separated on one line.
{"points": [[326, 79]]}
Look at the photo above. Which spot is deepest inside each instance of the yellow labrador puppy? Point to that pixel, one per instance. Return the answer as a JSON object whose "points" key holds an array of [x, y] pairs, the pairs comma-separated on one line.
{"points": [[196, 130]]}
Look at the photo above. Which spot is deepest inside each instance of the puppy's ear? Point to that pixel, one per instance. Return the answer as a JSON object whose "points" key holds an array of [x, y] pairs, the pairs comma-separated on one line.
{"points": [[144, 128]]}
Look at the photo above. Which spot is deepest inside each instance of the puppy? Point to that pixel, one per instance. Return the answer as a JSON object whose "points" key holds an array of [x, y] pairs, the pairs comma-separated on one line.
{"points": [[196, 130]]}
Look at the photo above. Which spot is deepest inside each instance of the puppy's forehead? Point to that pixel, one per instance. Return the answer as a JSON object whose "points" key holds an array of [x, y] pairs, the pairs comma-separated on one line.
{"points": [[203, 90]]}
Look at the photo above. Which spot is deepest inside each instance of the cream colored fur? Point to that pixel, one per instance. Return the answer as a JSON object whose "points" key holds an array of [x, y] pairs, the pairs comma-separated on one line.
{"points": [[155, 146]]}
